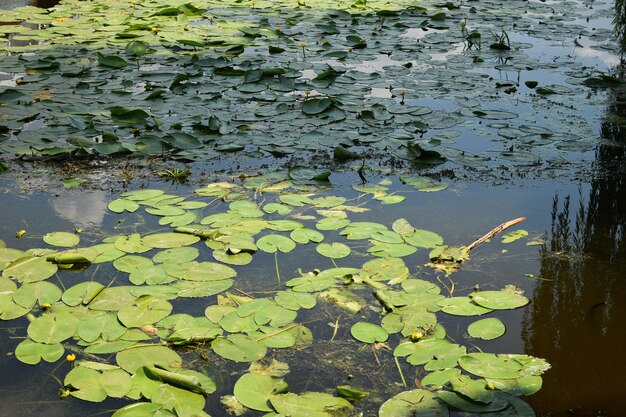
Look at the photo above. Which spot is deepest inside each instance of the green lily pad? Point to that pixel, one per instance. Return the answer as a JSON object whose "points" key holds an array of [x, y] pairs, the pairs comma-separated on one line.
{"points": [[169, 240], [53, 328], [122, 204], [32, 353], [462, 306], [424, 184], [489, 365], [239, 348], [414, 403], [63, 239], [201, 271], [152, 355], [131, 244], [274, 242], [145, 310], [41, 292], [254, 390], [91, 385], [310, 404], [368, 332], [304, 235], [514, 235], [465, 404], [486, 329], [30, 269], [499, 300], [335, 250]]}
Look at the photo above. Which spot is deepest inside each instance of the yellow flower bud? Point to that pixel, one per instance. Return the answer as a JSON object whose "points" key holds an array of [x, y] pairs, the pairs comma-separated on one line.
{"points": [[20, 233], [70, 357]]}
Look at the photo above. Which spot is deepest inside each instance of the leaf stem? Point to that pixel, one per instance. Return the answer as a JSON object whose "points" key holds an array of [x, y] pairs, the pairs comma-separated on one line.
{"points": [[395, 358], [276, 264]]}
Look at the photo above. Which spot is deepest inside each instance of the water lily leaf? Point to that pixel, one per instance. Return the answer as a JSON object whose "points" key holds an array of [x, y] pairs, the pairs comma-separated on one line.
{"points": [[272, 208], [520, 156], [436, 354], [139, 410], [145, 310], [440, 378], [239, 348], [253, 390], [473, 389], [131, 244], [314, 106], [112, 299], [424, 184], [414, 403], [335, 250], [30, 269], [32, 353], [176, 255], [462, 306], [124, 115], [488, 365], [423, 239], [311, 404], [294, 300], [106, 253], [362, 230], [63, 239], [41, 292], [101, 325], [171, 397], [132, 263], [91, 385], [513, 236], [300, 173], [122, 204], [368, 332], [83, 293], [141, 195], [169, 240], [152, 355], [304, 235], [111, 61], [8, 255], [487, 329], [499, 300], [311, 283], [525, 385], [465, 404], [136, 48], [273, 242], [201, 271], [393, 270], [332, 223], [391, 250], [53, 327]]}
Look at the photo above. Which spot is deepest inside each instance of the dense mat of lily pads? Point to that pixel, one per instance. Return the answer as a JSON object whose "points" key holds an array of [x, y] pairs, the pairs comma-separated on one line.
{"points": [[418, 80], [127, 339]]}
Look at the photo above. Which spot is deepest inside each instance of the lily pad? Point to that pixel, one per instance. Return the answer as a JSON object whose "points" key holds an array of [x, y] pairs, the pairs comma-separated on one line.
{"points": [[254, 390], [335, 250], [239, 348], [368, 332], [63, 239], [499, 300], [414, 403], [310, 404], [486, 329]]}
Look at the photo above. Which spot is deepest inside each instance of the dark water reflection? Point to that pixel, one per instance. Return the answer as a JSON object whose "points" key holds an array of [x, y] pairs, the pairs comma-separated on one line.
{"points": [[578, 314]]}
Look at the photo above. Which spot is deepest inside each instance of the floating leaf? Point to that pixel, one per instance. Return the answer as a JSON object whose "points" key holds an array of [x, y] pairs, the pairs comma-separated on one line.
{"points": [[489, 365], [462, 306], [424, 184], [134, 358], [239, 348], [91, 385], [310, 404], [53, 328], [368, 332], [32, 353], [131, 244], [513, 236], [499, 300], [414, 403], [486, 329], [169, 240], [272, 242], [304, 235], [465, 404], [145, 310], [29, 269], [335, 250], [201, 271], [253, 390]]}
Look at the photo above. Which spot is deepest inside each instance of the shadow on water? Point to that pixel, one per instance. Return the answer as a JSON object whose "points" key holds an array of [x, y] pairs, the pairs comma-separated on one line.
{"points": [[578, 315]]}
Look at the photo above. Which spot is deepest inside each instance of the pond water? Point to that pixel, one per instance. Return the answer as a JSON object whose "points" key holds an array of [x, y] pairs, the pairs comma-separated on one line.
{"points": [[555, 157]]}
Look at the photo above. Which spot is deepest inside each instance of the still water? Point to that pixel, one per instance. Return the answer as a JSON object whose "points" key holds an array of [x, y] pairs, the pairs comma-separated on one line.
{"points": [[575, 283]]}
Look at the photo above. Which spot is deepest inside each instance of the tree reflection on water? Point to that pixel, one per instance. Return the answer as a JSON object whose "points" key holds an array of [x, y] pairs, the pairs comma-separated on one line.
{"points": [[578, 316]]}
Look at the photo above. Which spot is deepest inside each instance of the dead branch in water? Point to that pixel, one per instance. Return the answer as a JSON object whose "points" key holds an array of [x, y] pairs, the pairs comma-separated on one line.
{"points": [[495, 231]]}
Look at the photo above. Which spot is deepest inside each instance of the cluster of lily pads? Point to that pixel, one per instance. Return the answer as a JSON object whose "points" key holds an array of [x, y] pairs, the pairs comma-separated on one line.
{"points": [[130, 341], [282, 78]]}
